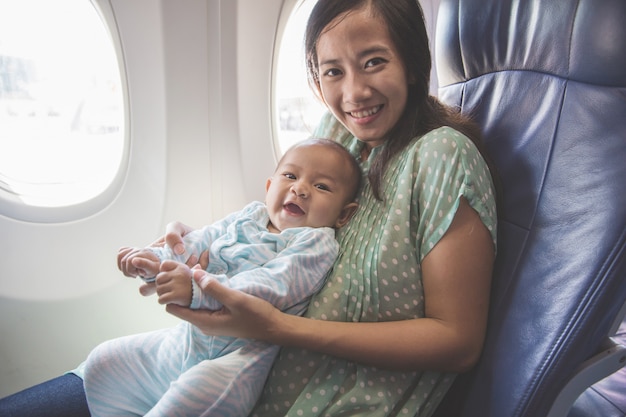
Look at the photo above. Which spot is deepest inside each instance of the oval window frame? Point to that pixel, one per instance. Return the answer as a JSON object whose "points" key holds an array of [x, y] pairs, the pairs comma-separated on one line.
{"points": [[12, 207], [281, 143]]}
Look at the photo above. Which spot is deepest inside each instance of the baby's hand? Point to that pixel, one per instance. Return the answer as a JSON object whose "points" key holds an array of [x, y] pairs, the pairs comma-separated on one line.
{"points": [[173, 284], [138, 262]]}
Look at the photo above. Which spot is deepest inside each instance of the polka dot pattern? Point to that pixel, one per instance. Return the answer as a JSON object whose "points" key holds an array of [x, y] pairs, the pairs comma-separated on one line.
{"points": [[377, 277]]}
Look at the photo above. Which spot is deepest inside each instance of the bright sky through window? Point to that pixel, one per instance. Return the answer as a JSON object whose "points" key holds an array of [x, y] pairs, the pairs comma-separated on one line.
{"points": [[297, 109], [61, 103]]}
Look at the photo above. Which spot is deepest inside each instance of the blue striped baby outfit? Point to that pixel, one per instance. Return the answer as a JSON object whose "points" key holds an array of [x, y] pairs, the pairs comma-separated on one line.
{"points": [[183, 372]]}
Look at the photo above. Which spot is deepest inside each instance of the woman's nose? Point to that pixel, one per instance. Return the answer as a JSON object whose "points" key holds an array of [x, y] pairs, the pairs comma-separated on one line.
{"points": [[355, 88]]}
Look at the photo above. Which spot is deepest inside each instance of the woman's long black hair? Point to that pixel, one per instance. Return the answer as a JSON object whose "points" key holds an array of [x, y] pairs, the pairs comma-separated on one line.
{"points": [[407, 29]]}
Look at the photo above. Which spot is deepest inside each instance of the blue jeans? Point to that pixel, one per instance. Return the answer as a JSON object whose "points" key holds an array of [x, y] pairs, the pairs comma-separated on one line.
{"points": [[63, 396]]}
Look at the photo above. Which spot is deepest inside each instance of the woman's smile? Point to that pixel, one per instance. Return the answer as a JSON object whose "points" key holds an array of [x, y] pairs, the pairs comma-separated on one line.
{"points": [[365, 116], [361, 114]]}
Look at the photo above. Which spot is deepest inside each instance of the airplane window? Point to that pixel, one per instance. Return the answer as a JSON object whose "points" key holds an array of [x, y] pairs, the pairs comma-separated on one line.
{"points": [[61, 104], [297, 110]]}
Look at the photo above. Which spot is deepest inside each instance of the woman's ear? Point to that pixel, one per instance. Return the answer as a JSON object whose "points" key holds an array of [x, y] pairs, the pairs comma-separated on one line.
{"points": [[346, 214]]}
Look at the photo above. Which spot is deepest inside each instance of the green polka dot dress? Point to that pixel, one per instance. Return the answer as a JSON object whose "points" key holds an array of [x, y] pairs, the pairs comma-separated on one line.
{"points": [[377, 277]]}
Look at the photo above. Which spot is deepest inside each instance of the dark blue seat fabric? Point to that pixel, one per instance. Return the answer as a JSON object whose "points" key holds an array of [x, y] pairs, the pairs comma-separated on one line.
{"points": [[546, 81]]}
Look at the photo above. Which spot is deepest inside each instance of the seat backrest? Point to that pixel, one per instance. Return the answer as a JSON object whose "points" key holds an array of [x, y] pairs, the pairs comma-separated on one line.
{"points": [[546, 80]]}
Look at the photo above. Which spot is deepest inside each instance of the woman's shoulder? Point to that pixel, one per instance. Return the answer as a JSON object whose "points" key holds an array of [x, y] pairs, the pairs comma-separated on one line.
{"points": [[444, 138], [442, 153], [444, 146]]}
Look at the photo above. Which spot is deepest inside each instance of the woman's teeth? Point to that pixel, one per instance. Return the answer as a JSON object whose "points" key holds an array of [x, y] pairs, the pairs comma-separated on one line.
{"points": [[365, 113]]}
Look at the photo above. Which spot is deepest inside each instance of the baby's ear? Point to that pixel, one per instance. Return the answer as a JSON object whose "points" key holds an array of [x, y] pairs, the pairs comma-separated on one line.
{"points": [[268, 183], [346, 214]]}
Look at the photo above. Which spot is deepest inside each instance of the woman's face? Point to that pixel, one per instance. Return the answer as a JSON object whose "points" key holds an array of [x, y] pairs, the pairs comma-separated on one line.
{"points": [[362, 77]]}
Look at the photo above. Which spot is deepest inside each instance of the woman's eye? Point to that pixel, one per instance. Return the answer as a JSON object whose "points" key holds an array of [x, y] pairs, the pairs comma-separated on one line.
{"points": [[333, 72], [374, 62]]}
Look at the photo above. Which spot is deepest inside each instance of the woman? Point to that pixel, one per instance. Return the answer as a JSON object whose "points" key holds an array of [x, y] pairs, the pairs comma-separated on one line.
{"points": [[405, 307]]}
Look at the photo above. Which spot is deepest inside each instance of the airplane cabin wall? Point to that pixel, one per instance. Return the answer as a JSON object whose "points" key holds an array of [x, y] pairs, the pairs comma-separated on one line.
{"points": [[60, 291], [199, 77]]}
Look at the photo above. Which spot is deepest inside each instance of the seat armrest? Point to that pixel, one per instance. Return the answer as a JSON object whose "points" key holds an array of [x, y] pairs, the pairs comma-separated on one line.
{"points": [[606, 362]]}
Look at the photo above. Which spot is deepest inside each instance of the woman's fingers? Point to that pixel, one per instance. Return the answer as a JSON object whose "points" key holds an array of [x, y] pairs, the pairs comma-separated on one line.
{"points": [[174, 233]]}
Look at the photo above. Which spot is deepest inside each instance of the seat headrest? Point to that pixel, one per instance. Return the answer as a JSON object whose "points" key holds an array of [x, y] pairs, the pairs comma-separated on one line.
{"points": [[577, 40]]}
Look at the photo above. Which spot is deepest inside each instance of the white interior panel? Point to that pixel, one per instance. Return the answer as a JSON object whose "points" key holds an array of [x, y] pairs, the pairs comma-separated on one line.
{"points": [[199, 78]]}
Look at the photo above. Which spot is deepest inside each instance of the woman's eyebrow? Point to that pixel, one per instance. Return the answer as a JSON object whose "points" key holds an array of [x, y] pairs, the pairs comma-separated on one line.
{"points": [[373, 51], [329, 62], [362, 54]]}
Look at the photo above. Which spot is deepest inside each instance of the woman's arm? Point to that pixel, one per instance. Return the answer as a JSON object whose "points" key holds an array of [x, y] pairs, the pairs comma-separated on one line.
{"points": [[457, 277]]}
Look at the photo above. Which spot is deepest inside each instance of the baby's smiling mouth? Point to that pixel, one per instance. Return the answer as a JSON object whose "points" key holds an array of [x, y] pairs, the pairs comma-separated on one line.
{"points": [[294, 209]]}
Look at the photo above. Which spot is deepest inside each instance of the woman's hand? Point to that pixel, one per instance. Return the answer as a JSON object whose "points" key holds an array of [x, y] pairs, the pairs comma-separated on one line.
{"points": [[243, 315], [174, 233]]}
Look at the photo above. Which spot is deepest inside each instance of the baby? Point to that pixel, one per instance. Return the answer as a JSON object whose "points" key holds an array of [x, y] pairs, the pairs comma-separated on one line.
{"points": [[280, 251]]}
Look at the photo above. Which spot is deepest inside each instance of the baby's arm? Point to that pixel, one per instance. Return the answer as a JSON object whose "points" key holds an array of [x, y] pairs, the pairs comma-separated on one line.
{"points": [[196, 249], [197, 242], [174, 281], [288, 280]]}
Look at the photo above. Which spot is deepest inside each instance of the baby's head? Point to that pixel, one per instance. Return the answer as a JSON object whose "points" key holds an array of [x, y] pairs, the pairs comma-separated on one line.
{"points": [[315, 184]]}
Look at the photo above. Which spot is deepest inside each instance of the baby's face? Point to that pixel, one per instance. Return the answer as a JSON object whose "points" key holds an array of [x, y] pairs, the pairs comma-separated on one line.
{"points": [[309, 188]]}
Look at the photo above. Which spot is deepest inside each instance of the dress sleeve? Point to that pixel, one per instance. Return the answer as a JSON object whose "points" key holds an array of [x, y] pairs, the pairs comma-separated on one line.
{"points": [[448, 167]]}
